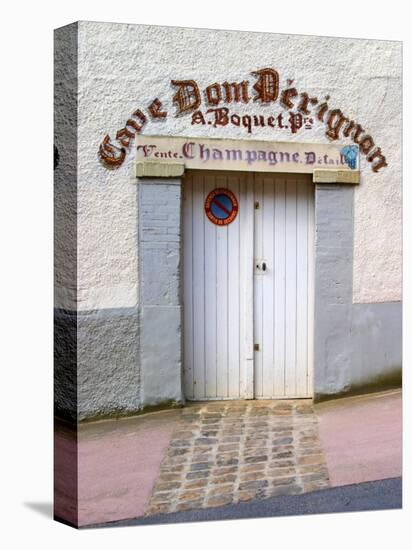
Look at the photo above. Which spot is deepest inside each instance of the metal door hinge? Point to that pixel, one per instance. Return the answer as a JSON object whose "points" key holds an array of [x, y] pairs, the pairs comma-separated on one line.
{"points": [[256, 347]]}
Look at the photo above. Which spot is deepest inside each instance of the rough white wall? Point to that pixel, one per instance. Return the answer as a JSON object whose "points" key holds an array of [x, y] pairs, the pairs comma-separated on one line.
{"points": [[124, 67]]}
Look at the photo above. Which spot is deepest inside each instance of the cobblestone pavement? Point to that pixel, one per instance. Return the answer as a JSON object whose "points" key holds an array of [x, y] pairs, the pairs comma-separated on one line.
{"points": [[232, 451]]}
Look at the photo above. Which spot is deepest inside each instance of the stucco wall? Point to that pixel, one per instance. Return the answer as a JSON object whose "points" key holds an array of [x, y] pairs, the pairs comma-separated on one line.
{"points": [[124, 67]]}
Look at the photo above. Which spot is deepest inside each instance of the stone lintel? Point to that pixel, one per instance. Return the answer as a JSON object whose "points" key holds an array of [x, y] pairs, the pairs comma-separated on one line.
{"points": [[336, 176], [152, 169]]}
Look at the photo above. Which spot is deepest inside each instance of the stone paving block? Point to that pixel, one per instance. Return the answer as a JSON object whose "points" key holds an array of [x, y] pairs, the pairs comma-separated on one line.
{"points": [[253, 467], [281, 472], [197, 475], [311, 459], [252, 476], [157, 509], [255, 458], [244, 496], [195, 484], [191, 495], [223, 470], [222, 460], [228, 478], [175, 476], [219, 500], [292, 480], [167, 486], [222, 489], [200, 466], [189, 505], [253, 485]]}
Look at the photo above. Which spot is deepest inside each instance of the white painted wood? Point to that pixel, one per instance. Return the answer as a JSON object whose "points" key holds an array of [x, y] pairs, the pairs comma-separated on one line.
{"points": [[268, 257], [198, 288], [233, 296], [188, 366], [210, 320], [301, 287], [290, 290], [311, 285], [258, 286], [222, 296], [279, 287], [247, 283], [230, 304]]}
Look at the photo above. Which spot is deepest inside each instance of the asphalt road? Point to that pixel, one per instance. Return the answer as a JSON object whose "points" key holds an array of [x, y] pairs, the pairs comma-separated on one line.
{"points": [[372, 495]]}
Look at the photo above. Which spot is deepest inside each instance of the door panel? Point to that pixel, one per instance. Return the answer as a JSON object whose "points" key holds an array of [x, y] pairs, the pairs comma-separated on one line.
{"points": [[282, 308], [216, 329]]}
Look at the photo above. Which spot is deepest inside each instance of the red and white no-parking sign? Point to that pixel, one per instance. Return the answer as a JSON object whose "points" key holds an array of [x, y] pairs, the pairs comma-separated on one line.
{"points": [[221, 206]]}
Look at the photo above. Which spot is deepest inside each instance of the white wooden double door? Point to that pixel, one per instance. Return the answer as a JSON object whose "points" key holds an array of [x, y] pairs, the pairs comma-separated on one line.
{"points": [[248, 288]]}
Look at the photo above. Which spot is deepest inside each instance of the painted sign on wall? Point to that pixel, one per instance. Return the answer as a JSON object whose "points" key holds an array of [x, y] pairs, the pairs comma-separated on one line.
{"points": [[299, 111], [250, 155]]}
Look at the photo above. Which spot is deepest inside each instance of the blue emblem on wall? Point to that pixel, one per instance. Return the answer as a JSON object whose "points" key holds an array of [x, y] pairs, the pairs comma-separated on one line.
{"points": [[350, 154]]}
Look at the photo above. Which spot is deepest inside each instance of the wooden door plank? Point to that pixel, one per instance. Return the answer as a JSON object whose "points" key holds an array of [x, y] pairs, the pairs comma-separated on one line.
{"points": [[302, 289], [188, 286], [234, 293], [267, 338], [290, 290], [258, 287], [247, 291], [311, 285], [210, 297], [198, 287], [222, 294], [280, 286]]}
